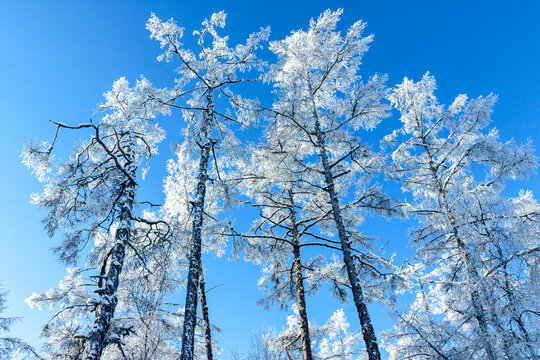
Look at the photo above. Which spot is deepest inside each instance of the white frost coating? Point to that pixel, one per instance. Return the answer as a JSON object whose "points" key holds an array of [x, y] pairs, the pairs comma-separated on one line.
{"points": [[322, 103], [192, 203], [91, 197], [333, 340], [477, 248]]}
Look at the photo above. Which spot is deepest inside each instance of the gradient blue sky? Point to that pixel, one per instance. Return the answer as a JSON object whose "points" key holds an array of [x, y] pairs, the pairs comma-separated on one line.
{"points": [[58, 57]]}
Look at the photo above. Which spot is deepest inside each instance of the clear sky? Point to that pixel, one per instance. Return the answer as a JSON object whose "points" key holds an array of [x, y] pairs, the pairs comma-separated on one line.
{"points": [[58, 57]]}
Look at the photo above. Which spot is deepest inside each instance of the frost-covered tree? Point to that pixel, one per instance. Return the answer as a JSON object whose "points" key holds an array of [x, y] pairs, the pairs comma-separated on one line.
{"points": [[92, 197], [417, 334], [285, 226], [279, 233], [478, 248], [146, 303], [148, 283], [10, 346], [333, 340], [321, 104], [203, 74]]}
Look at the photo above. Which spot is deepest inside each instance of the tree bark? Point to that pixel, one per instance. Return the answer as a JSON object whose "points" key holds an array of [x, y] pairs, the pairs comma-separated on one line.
{"points": [[473, 278], [299, 282], [97, 339], [426, 305], [368, 332], [194, 272], [206, 318]]}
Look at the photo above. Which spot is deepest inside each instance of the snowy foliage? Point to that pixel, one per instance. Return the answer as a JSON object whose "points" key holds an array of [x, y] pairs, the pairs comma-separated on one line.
{"points": [[333, 340], [478, 248], [10, 347], [310, 181], [91, 196]]}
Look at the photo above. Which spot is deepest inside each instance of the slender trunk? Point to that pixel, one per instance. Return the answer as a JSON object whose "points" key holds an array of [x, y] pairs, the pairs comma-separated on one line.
{"points": [[493, 316], [496, 323], [205, 317], [190, 312], [97, 339], [425, 302], [426, 305], [299, 281], [367, 328], [473, 278]]}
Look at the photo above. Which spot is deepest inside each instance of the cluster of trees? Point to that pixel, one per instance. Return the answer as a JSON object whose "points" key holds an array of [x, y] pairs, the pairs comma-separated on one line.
{"points": [[311, 181]]}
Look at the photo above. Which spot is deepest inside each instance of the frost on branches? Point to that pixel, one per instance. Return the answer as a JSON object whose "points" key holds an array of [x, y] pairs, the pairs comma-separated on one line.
{"points": [[210, 131], [311, 180], [292, 213], [92, 197], [333, 340], [321, 104], [476, 247], [11, 347]]}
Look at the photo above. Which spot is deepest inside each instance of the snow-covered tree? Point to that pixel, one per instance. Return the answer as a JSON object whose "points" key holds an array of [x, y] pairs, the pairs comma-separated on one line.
{"points": [[272, 180], [209, 72], [10, 346], [92, 197], [478, 248], [289, 213], [417, 334], [321, 104], [333, 340]]}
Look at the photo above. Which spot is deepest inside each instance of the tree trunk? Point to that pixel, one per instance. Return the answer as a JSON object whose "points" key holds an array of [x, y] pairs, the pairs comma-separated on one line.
{"points": [[205, 317], [190, 312], [299, 281], [473, 278], [97, 339], [368, 332], [426, 305]]}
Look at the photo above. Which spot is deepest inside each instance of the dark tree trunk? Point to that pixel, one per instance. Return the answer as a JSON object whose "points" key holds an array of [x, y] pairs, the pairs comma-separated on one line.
{"points": [[368, 332], [205, 317], [299, 281], [194, 272], [473, 278], [97, 339]]}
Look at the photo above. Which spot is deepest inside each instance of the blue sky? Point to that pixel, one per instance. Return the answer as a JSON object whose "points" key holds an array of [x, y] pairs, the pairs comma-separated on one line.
{"points": [[58, 57]]}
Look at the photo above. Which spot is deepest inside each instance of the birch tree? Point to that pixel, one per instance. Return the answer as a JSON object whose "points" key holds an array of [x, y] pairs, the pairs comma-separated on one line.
{"points": [[466, 226], [321, 103], [92, 197], [203, 74]]}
